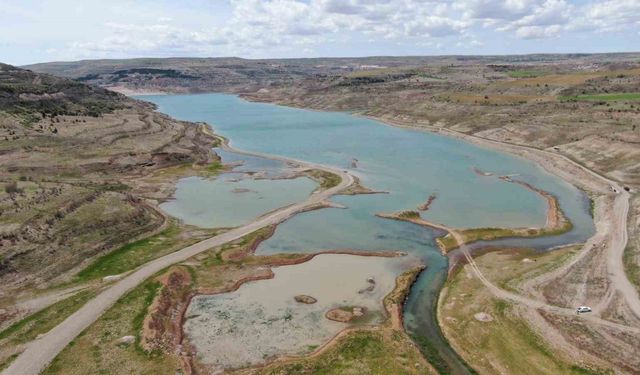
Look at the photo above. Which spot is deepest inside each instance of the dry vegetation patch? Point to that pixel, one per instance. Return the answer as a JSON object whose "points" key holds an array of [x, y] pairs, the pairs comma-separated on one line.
{"points": [[494, 336]]}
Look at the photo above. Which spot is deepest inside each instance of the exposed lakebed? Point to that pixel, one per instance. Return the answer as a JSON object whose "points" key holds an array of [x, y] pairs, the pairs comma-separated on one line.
{"points": [[410, 165], [262, 319]]}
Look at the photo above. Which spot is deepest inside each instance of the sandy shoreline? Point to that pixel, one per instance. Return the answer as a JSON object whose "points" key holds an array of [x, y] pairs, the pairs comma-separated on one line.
{"points": [[554, 163], [133, 92]]}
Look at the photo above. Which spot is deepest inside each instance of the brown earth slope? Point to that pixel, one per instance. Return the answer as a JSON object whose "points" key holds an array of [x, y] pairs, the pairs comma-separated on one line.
{"points": [[72, 161]]}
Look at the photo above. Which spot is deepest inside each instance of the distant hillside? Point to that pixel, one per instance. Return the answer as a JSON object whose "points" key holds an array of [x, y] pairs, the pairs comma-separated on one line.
{"points": [[23, 92], [238, 75], [175, 75]]}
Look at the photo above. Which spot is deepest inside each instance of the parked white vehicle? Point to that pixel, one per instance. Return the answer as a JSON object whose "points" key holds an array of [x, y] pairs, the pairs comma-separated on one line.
{"points": [[583, 309]]}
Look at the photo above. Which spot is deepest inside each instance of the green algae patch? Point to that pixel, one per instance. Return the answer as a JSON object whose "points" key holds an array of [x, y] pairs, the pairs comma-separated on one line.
{"points": [[326, 179]]}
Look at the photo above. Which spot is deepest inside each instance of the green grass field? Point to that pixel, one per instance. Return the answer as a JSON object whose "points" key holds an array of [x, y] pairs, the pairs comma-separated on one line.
{"points": [[128, 256], [605, 97], [98, 350], [525, 73], [362, 352], [134, 254], [327, 180], [631, 267]]}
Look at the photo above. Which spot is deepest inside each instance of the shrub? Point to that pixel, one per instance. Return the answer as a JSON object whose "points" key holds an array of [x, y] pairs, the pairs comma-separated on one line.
{"points": [[12, 188]]}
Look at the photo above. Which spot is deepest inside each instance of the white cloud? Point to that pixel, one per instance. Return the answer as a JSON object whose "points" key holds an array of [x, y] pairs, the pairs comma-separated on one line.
{"points": [[495, 9], [434, 26], [288, 27], [151, 39], [545, 20], [538, 32], [551, 12], [537, 19], [613, 15]]}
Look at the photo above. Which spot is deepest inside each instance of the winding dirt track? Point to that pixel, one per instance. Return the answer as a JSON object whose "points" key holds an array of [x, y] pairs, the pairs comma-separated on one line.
{"points": [[39, 353], [533, 303], [617, 244], [614, 237], [536, 304]]}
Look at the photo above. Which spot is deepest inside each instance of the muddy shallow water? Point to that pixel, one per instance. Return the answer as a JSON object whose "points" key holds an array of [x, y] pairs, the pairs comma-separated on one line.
{"points": [[262, 319], [252, 188]]}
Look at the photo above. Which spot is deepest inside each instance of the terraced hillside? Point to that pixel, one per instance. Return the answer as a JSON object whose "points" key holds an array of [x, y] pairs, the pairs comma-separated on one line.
{"points": [[75, 164]]}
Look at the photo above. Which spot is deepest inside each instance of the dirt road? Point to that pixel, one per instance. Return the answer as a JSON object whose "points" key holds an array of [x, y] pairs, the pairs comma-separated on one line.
{"points": [[42, 351], [614, 233], [617, 243], [533, 303]]}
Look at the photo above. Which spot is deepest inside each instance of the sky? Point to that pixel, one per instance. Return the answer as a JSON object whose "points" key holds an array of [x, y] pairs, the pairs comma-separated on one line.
{"points": [[39, 31]]}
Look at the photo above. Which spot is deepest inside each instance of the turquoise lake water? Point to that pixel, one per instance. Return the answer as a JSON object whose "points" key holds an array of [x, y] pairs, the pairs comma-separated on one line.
{"points": [[410, 165]]}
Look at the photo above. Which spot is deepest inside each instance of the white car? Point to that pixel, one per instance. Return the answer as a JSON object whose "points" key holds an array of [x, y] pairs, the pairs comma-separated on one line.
{"points": [[583, 309]]}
